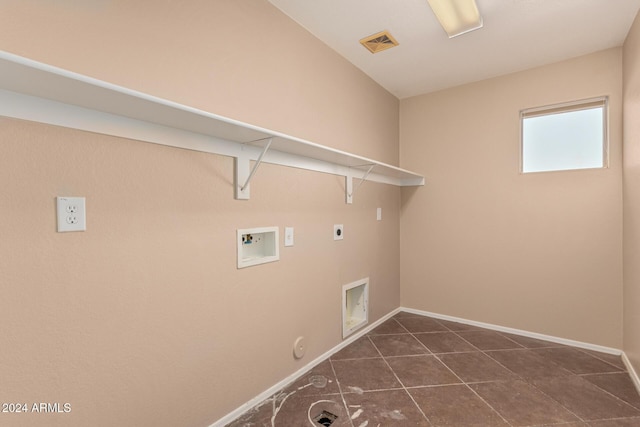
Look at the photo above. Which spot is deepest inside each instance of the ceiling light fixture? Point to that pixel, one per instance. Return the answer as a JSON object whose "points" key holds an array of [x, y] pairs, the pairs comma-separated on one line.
{"points": [[457, 16]]}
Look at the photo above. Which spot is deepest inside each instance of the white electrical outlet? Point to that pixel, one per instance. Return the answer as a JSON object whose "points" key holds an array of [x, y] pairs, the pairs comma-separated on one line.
{"points": [[288, 236], [338, 232], [71, 214]]}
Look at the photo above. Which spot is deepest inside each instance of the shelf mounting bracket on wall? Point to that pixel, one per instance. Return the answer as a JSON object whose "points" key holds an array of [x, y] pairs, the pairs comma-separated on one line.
{"points": [[242, 173], [350, 191], [67, 99]]}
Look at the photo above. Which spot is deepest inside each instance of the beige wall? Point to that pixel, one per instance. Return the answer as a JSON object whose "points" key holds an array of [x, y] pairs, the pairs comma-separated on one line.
{"points": [[631, 146], [144, 319], [538, 252], [242, 59]]}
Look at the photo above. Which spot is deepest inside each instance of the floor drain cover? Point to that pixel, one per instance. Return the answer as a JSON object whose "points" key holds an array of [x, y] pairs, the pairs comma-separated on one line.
{"points": [[325, 418]]}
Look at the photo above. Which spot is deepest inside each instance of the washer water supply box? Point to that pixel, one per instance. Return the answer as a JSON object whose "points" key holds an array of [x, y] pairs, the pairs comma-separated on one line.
{"points": [[257, 246]]}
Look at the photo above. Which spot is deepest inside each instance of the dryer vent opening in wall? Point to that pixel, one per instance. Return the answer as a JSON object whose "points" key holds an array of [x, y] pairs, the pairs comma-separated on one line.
{"points": [[355, 306]]}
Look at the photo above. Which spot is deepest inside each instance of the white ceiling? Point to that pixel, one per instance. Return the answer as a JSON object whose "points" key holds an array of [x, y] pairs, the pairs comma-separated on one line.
{"points": [[517, 35]]}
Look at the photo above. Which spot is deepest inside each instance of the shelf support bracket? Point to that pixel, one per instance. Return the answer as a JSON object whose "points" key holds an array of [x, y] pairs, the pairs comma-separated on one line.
{"points": [[243, 175], [350, 191]]}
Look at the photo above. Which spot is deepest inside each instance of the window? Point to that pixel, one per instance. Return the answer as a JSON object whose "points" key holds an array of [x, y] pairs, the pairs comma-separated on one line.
{"points": [[564, 137]]}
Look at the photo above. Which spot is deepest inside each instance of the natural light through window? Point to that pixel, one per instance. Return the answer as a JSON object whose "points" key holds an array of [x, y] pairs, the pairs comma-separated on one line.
{"points": [[565, 137]]}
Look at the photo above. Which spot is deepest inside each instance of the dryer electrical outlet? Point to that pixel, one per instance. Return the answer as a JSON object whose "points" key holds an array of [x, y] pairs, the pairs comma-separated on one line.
{"points": [[338, 232]]}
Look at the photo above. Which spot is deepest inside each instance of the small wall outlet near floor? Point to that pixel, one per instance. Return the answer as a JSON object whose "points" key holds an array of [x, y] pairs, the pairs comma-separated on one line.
{"points": [[338, 232], [71, 214]]}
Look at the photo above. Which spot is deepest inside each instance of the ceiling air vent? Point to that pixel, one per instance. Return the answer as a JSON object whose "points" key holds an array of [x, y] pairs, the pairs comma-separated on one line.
{"points": [[379, 42]]}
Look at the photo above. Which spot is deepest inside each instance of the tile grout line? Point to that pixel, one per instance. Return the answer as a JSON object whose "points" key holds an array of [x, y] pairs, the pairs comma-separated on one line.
{"points": [[521, 377], [486, 352], [582, 350], [572, 374], [531, 384], [523, 347], [608, 392], [464, 382], [398, 379], [344, 402], [624, 371]]}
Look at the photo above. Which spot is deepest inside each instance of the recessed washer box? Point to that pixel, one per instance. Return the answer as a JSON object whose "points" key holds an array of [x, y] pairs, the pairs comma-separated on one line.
{"points": [[355, 306], [257, 246]]}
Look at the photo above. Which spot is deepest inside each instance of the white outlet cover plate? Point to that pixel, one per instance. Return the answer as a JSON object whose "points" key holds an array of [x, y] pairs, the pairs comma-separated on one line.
{"points": [[288, 236], [338, 232], [71, 214]]}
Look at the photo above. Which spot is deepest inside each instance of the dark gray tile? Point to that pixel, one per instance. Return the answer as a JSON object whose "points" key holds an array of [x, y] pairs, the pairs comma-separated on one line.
{"points": [[259, 416], [398, 345], [612, 359], [384, 408], [457, 326], [488, 340], [455, 405], [585, 399], [359, 349], [444, 342], [529, 342], [476, 367], [356, 375], [618, 384], [521, 404], [421, 324], [527, 381], [576, 424], [391, 326], [404, 314], [527, 364], [416, 371], [576, 361], [620, 422]]}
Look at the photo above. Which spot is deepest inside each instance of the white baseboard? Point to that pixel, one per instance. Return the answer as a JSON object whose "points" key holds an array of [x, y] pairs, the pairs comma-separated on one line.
{"points": [[280, 385], [632, 372], [565, 341], [587, 346], [231, 416]]}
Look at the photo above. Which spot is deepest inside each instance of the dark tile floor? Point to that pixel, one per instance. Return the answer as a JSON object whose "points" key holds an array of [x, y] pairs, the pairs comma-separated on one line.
{"points": [[418, 371]]}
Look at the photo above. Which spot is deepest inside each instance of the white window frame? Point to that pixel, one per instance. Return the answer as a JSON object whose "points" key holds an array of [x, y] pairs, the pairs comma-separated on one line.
{"points": [[584, 104]]}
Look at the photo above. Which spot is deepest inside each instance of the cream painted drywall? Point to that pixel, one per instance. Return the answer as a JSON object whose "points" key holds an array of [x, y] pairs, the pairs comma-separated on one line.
{"points": [[144, 319], [631, 148], [538, 252], [242, 59]]}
